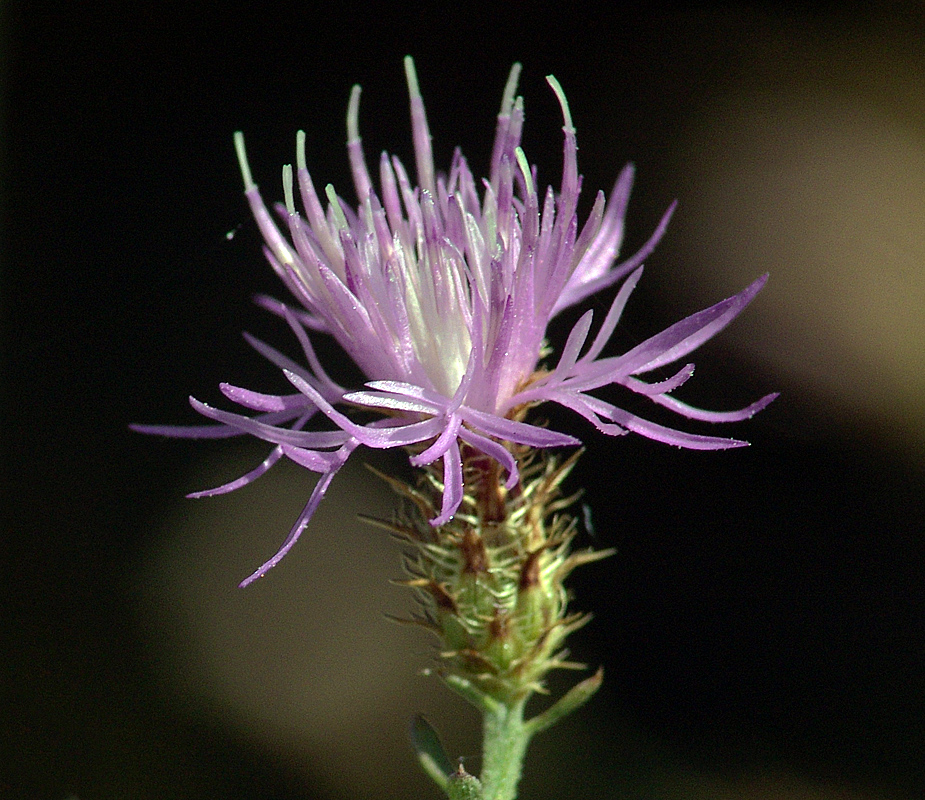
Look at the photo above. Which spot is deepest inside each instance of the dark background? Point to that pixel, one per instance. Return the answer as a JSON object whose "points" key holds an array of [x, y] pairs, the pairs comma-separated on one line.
{"points": [[766, 610]]}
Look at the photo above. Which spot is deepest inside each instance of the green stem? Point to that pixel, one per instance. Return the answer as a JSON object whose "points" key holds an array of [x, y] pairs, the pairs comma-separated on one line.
{"points": [[503, 748]]}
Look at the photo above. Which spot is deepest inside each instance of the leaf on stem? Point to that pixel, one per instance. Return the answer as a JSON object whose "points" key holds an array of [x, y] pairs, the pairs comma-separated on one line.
{"points": [[574, 699], [430, 752]]}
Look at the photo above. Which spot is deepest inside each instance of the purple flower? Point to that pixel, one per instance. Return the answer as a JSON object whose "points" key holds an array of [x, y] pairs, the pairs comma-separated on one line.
{"points": [[441, 293]]}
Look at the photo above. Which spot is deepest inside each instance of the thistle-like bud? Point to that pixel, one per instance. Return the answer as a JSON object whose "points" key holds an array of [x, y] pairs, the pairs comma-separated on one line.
{"points": [[490, 582]]}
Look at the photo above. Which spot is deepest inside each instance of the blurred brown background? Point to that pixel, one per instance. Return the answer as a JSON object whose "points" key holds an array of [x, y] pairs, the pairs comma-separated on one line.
{"points": [[763, 625]]}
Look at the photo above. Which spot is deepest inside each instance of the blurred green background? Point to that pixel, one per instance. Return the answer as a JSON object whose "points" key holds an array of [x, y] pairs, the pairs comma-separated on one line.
{"points": [[763, 625]]}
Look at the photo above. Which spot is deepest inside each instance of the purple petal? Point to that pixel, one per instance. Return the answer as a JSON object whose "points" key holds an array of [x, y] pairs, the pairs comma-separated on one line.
{"points": [[222, 431], [257, 401], [662, 387], [494, 450], [586, 376], [579, 291], [660, 433], [452, 485], [691, 412], [312, 460], [440, 446], [423, 155], [271, 433], [409, 390], [378, 438], [591, 230], [517, 432], [295, 325], [379, 400], [274, 306], [361, 179], [296, 531], [277, 244], [313, 210], [688, 334], [602, 252], [249, 477], [613, 316], [505, 138], [574, 343], [347, 309], [191, 431], [274, 356], [590, 408]]}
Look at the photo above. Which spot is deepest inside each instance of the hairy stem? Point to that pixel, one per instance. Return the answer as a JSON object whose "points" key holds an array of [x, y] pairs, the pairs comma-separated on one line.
{"points": [[505, 743]]}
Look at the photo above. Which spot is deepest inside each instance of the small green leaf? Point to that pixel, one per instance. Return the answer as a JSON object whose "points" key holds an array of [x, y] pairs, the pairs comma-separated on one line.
{"points": [[571, 701], [465, 687], [430, 752]]}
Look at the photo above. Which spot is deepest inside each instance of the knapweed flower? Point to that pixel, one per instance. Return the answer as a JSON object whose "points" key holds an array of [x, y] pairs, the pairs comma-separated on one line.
{"points": [[441, 293]]}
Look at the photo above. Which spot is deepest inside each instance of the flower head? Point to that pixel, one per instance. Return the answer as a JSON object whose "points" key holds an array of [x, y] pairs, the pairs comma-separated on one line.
{"points": [[441, 293]]}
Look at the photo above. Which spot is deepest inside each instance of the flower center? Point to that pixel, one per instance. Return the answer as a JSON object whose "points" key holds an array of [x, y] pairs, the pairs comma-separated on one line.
{"points": [[437, 305]]}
